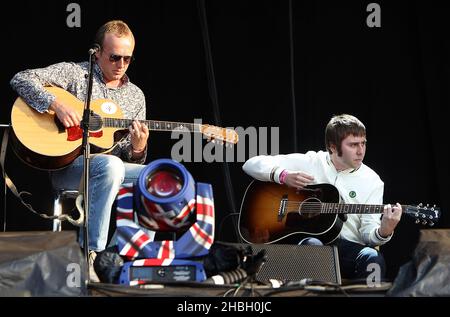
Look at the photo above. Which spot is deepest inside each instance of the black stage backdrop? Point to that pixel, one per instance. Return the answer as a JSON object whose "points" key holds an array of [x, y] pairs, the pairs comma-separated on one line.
{"points": [[395, 78]]}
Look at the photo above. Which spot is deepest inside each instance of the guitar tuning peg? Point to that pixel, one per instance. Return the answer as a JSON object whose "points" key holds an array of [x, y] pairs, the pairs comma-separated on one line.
{"points": [[417, 221], [431, 223], [420, 205], [424, 222]]}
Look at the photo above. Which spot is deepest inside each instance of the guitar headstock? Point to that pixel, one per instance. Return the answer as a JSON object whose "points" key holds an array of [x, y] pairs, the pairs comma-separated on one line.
{"points": [[426, 215], [217, 134]]}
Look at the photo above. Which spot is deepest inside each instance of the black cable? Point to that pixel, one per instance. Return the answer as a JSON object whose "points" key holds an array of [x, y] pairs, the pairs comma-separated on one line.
{"points": [[227, 278], [292, 68], [223, 221], [310, 286], [215, 100]]}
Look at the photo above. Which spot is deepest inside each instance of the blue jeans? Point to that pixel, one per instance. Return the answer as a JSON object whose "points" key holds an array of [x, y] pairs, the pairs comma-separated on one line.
{"points": [[354, 258], [106, 174]]}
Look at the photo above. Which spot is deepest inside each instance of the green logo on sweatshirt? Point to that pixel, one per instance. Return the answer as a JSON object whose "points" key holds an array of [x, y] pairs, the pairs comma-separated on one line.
{"points": [[352, 194]]}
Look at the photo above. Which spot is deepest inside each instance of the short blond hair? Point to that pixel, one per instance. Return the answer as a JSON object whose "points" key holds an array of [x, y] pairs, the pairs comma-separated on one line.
{"points": [[116, 27]]}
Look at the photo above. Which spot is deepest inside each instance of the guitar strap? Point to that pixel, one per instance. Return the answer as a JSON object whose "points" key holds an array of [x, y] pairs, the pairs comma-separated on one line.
{"points": [[18, 194], [8, 181]]}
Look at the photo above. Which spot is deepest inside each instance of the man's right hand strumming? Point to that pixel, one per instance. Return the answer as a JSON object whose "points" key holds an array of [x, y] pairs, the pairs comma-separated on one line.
{"points": [[298, 180], [67, 115]]}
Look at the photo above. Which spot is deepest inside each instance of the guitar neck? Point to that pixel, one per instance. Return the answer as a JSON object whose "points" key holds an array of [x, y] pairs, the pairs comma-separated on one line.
{"points": [[152, 124], [336, 208]]}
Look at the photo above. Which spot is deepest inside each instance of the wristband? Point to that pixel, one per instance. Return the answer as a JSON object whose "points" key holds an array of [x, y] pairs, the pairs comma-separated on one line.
{"points": [[283, 175]]}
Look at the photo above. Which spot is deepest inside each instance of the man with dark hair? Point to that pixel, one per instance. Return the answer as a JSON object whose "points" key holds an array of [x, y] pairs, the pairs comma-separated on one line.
{"points": [[124, 162], [341, 166]]}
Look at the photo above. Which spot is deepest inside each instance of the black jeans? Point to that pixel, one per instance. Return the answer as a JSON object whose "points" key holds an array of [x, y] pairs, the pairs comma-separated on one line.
{"points": [[359, 261]]}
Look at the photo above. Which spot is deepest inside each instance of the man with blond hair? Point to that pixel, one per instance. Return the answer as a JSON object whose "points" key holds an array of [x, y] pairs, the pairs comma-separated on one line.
{"points": [[124, 163]]}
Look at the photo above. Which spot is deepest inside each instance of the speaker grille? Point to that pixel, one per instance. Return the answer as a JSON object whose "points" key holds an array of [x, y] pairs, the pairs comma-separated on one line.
{"points": [[296, 262]]}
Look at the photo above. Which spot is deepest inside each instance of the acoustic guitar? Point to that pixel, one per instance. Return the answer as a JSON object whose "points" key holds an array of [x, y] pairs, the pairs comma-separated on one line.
{"points": [[43, 142], [272, 213]]}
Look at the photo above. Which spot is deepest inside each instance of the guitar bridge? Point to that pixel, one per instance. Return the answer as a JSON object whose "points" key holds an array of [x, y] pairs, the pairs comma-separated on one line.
{"points": [[282, 209]]}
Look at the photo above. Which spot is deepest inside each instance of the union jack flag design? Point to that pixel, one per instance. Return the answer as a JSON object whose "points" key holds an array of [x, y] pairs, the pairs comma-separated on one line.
{"points": [[186, 266], [135, 243], [161, 216]]}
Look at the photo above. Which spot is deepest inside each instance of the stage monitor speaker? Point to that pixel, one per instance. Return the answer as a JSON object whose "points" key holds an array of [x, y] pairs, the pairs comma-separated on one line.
{"points": [[36, 263], [288, 262]]}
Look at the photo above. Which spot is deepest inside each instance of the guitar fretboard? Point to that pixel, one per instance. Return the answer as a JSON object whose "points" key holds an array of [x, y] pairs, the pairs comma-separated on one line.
{"points": [[152, 125], [336, 208]]}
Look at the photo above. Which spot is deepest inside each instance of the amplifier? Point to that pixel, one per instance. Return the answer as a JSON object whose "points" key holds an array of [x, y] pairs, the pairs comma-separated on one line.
{"points": [[290, 262], [153, 271]]}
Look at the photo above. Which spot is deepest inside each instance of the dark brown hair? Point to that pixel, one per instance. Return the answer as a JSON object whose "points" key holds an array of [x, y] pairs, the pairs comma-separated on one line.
{"points": [[339, 128]]}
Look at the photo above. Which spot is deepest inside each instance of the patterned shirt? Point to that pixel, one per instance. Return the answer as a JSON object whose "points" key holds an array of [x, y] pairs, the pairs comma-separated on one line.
{"points": [[72, 77]]}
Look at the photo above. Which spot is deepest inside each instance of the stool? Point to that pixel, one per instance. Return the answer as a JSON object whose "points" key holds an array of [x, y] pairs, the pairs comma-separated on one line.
{"points": [[60, 195]]}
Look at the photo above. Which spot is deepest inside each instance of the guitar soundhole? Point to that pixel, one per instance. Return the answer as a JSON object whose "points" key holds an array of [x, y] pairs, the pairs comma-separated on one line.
{"points": [[310, 208]]}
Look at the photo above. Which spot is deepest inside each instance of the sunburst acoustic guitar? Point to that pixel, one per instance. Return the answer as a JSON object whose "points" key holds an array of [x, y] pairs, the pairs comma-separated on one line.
{"points": [[272, 213], [43, 142]]}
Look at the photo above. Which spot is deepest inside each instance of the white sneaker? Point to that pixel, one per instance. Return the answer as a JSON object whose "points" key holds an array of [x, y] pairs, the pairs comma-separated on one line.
{"points": [[93, 277]]}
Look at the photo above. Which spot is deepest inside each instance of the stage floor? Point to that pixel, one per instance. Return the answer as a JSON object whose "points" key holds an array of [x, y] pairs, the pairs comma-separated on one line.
{"points": [[247, 290]]}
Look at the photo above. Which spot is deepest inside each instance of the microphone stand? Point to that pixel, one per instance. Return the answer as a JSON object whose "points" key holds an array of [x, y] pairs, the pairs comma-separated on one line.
{"points": [[86, 154]]}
